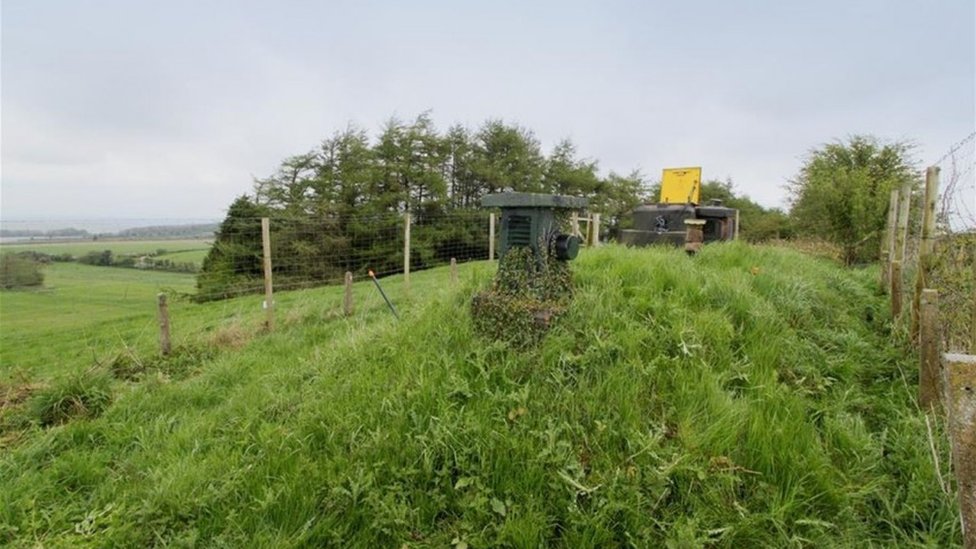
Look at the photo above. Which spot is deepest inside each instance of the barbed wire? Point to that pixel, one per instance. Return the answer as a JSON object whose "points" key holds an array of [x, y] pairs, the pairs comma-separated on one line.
{"points": [[957, 196], [954, 258]]}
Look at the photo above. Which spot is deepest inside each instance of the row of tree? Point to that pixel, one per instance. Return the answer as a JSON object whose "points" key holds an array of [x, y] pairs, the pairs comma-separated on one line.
{"points": [[339, 207], [413, 167]]}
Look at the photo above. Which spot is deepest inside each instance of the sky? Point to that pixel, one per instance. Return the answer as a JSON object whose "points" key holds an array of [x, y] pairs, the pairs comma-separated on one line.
{"points": [[169, 110]]}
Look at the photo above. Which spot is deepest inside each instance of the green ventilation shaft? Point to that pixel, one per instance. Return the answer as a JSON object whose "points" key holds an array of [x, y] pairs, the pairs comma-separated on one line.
{"points": [[531, 220]]}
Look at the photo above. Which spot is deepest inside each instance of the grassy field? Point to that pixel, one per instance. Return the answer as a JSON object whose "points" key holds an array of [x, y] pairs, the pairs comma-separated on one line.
{"points": [[746, 397], [81, 310], [186, 250]]}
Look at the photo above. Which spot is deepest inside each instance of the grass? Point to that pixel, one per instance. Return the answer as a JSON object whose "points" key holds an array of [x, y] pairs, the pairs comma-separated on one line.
{"points": [[80, 311], [746, 397]]}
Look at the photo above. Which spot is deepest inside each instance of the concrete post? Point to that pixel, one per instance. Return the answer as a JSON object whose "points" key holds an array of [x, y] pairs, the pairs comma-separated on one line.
{"points": [[960, 380]]}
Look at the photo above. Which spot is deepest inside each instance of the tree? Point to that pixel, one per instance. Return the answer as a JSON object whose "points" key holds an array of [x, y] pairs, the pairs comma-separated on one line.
{"points": [[339, 207], [233, 265], [507, 158], [841, 193], [565, 174], [615, 197]]}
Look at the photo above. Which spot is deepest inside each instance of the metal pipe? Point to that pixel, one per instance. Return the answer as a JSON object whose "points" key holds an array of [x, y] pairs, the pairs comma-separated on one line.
{"points": [[382, 293]]}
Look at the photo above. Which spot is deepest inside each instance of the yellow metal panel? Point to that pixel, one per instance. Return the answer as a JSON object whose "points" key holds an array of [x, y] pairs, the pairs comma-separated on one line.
{"points": [[681, 185]]}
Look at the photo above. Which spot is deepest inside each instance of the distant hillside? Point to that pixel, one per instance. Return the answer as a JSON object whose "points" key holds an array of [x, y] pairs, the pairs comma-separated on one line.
{"points": [[748, 397], [56, 233], [201, 230]]}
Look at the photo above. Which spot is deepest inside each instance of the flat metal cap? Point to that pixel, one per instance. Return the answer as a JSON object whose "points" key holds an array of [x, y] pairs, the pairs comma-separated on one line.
{"points": [[533, 200]]}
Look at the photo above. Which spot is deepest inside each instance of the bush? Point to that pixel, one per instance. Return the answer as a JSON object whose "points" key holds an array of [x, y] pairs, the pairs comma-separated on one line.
{"points": [[17, 271], [102, 259]]}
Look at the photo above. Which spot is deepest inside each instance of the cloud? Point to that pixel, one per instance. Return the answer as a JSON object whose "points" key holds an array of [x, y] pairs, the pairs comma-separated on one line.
{"points": [[168, 110]]}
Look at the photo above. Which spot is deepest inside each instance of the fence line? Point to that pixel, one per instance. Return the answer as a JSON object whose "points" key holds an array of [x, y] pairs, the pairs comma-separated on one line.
{"points": [[937, 266], [250, 257]]}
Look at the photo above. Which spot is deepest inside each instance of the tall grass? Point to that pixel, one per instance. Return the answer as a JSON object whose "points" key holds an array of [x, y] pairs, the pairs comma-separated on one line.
{"points": [[745, 397]]}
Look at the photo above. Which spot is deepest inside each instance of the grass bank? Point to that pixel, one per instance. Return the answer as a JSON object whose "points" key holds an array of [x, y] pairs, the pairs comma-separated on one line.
{"points": [[746, 397]]}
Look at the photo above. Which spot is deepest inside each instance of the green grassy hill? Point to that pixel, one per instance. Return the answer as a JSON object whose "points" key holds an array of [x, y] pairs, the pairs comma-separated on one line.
{"points": [[746, 397]]}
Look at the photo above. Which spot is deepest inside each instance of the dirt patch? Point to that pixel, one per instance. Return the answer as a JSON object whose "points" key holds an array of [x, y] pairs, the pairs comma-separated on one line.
{"points": [[232, 336]]}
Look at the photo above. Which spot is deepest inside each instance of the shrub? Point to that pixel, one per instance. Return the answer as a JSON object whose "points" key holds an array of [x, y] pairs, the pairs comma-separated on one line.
{"points": [[103, 258], [17, 271]]}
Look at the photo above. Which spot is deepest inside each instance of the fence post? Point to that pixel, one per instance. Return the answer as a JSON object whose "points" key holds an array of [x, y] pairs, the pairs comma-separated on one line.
{"points": [[491, 236], [960, 378], [268, 289], [406, 251], [347, 307], [888, 244], [454, 274], [927, 247], [972, 330], [574, 223], [736, 234], [164, 342], [929, 390], [895, 289], [905, 202], [595, 230]]}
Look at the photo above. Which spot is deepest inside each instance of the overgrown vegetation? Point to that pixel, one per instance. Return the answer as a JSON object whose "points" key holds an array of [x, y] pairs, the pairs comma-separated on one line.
{"points": [[748, 396], [526, 296]]}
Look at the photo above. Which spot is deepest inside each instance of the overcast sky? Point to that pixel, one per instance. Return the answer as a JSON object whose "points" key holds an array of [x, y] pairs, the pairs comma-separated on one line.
{"points": [[142, 109]]}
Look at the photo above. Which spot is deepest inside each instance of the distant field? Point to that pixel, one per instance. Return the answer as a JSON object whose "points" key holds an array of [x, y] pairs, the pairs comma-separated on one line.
{"points": [[177, 251], [187, 256], [174, 247]]}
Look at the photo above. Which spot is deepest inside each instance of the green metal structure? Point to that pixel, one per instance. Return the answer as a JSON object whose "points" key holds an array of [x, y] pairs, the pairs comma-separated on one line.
{"points": [[530, 219]]}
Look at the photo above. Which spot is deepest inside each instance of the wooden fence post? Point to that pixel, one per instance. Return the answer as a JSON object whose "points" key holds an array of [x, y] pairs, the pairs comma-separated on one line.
{"points": [[960, 381], [164, 342], [491, 236], [406, 251], [268, 289], [736, 234], [595, 230], [929, 389], [895, 289], [905, 202], [454, 274], [927, 247], [347, 306], [888, 245], [574, 224]]}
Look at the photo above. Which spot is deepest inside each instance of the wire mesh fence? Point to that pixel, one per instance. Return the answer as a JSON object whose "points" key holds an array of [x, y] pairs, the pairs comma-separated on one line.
{"points": [[80, 311], [309, 251], [947, 263], [953, 263]]}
